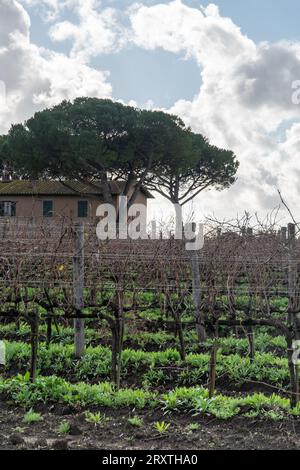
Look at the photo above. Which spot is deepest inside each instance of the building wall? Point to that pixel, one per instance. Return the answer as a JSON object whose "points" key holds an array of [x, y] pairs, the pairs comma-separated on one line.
{"points": [[63, 206]]}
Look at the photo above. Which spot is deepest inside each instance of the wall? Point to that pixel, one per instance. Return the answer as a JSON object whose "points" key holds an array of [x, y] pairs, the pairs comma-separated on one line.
{"points": [[64, 206]]}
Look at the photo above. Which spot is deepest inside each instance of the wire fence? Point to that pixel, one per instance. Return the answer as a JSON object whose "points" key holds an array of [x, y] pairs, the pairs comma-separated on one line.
{"points": [[62, 271]]}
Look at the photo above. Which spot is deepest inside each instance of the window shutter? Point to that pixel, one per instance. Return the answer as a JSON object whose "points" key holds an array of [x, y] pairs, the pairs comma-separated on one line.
{"points": [[48, 208], [13, 209], [82, 209], [8, 209]]}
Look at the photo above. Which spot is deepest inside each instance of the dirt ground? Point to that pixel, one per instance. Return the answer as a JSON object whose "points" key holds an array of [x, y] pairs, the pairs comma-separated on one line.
{"points": [[117, 434]]}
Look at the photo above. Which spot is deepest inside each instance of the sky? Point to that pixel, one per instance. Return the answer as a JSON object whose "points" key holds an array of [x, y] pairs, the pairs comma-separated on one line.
{"points": [[227, 68]]}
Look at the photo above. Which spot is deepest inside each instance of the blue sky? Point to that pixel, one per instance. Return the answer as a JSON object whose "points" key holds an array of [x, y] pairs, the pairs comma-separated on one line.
{"points": [[260, 19], [135, 74], [263, 20], [163, 77]]}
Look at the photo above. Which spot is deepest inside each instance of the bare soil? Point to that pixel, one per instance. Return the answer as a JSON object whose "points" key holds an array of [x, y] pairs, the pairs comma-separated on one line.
{"points": [[117, 434]]}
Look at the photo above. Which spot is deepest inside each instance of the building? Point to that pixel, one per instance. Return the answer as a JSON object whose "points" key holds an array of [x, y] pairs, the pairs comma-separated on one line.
{"points": [[57, 199]]}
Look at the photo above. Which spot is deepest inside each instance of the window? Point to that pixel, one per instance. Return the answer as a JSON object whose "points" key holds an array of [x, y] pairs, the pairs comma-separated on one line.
{"points": [[82, 209], [48, 208], [8, 209]]}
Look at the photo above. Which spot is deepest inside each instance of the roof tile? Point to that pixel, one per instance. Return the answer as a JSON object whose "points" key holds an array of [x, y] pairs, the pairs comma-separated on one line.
{"points": [[59, 188]]}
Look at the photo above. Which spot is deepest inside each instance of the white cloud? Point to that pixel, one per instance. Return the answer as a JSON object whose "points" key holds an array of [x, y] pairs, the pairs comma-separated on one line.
{"points": [[36, 77], [245, 96], [98, 31], [94, 29], [13, 19], [202, 34], [245, 99], [49, 9]]}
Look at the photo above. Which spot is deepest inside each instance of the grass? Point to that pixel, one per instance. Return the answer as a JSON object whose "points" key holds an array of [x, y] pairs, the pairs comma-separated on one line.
{"points": [[194, 400], [52, 389], [146, 340], [149, 372], [150, 369]]}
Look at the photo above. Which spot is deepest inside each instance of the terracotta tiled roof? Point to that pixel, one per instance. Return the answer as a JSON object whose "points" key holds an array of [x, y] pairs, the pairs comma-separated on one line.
{"points": [[59, 188]]}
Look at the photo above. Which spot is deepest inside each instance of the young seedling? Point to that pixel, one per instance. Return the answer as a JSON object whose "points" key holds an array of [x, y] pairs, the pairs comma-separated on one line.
{"points": [[161, 427], [192, 427], [19, 429], [136, 421], [64, 428], [32, 417], [94, 418]]}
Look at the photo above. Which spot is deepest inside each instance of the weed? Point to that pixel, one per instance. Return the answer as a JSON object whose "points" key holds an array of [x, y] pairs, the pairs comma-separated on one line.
{"points": [[32, 417]]}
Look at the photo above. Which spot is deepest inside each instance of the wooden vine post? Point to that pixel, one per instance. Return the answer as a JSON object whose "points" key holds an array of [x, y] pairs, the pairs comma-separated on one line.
{"points": [[34, 340], [196, 285], [283, 234], [250, 330], [118, 337], [212, 375], [49, 332], [78, 288]]}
